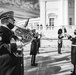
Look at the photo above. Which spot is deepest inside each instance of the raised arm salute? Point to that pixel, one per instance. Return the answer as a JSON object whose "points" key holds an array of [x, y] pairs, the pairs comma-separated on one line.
{"points": [[73, 51]]}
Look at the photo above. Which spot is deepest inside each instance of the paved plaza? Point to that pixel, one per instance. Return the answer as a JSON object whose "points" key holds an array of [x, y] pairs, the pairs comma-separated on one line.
{"points": [[49, 61]]}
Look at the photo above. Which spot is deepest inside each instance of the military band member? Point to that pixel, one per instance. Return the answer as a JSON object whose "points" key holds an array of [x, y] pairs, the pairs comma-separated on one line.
{"points": [[9, 64], [73, 51], [60, 41]]}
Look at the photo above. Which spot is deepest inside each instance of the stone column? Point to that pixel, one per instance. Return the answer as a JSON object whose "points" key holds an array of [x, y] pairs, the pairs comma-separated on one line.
{"points": [[61, 13], [66, 12], [75, 12], [43, 14]]}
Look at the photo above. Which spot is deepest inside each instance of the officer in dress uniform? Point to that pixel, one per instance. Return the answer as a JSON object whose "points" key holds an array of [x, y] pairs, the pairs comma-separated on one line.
{"points": [[38, 38], [34, 50], [73, 51], [60, 36], [9, 64]]}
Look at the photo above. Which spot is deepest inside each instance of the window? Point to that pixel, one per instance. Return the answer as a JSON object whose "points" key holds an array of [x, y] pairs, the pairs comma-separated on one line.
{"points": [[41, 27], [51, 23], [70, 21], [31, 25], [37, 26], [47, 27]]}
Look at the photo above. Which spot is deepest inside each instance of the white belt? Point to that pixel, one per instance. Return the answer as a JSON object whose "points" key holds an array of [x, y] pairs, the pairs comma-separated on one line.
{"points": [[73, 45]]}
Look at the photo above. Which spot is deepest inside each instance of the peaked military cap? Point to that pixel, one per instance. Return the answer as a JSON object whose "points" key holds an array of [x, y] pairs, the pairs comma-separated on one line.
{"points": [[8, 14]]}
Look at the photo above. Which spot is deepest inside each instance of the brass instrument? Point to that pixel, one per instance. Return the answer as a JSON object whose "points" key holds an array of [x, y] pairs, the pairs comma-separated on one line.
{"points": [[26, 34], [27, 37]]}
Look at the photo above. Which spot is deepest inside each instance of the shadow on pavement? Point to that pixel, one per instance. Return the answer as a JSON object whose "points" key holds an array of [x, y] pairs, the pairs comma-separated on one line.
{"points": [[45, 66], [45, 70]]}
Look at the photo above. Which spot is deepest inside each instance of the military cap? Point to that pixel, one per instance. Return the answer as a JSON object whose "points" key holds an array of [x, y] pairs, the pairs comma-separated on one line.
{"points": [[60, 31], [8, 14]]}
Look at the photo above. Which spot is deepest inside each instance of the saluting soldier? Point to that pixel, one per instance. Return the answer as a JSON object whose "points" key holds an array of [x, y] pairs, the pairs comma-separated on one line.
{"points": [[60, 41], [9, 64], [73, 51]]}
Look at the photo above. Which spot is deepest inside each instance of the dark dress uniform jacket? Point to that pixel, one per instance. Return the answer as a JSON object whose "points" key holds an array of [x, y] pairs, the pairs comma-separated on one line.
{"points": [[34, 47], [60, 40], [73, 49], [8, 62], [38, 42]]}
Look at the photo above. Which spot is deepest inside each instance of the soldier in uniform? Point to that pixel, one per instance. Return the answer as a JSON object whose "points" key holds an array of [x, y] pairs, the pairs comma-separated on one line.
{"points": [[9, 64], [38, 40], [34, 50], [60, 36], [73, 51]]}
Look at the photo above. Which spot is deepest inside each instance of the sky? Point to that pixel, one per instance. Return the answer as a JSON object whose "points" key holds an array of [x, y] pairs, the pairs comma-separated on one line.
{"points": [[23, 9]]}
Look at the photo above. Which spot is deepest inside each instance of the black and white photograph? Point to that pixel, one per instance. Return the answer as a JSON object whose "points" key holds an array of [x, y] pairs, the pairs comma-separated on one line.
{"points": [[37, 37]]}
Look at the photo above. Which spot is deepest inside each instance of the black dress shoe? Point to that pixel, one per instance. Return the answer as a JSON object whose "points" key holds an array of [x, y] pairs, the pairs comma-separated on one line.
{"points": [[34, 64], [38, 52], [59, 53], [73, 73]]}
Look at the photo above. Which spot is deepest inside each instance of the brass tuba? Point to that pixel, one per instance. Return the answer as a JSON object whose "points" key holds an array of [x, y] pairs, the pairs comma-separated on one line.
{"points": [[26, 34]]}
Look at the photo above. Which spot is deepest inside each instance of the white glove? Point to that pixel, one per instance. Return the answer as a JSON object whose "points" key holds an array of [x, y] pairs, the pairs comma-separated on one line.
{"points": [[19, 45]]}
